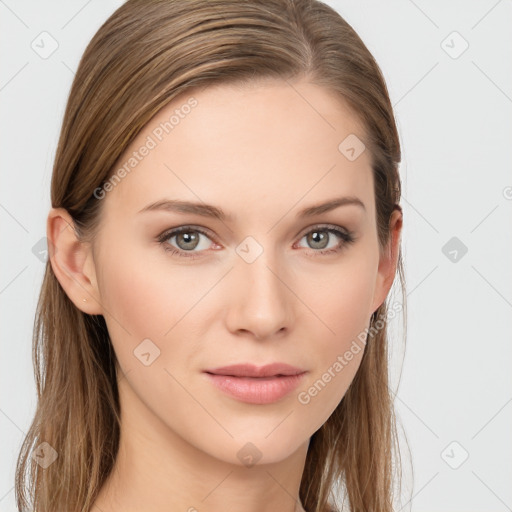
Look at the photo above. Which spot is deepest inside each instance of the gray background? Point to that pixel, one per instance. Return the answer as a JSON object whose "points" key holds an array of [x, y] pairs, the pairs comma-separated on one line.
{"points": [[453, 108]]}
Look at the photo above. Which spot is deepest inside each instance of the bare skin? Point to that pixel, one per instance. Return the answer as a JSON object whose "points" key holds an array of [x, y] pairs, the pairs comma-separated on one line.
{"points": [[261, 154]]}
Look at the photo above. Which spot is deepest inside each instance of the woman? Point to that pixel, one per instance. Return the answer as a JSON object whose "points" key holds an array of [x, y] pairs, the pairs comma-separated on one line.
{"points": [[224, 233]]}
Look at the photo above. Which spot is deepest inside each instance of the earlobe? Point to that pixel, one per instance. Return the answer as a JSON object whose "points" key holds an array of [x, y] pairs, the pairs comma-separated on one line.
{"points": [[388, 260], [71, 261]]}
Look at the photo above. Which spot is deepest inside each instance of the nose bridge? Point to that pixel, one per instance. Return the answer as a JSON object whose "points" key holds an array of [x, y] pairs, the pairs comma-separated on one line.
{"points": [[261, 301]]}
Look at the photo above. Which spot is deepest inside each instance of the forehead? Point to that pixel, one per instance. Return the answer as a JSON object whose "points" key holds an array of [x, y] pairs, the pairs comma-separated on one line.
{"points": [[263, 145]]}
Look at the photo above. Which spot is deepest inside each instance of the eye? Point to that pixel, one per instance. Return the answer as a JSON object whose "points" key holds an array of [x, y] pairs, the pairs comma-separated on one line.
{"points": [[188, 238], [319, 238]]}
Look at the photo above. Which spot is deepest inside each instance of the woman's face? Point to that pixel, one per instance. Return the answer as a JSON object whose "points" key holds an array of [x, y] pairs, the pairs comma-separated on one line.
{"points": [[253, 287]]}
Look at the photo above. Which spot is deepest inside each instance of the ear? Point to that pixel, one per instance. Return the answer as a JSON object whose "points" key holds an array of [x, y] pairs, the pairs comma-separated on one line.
{"points": [[72, 262], [388, 260]]}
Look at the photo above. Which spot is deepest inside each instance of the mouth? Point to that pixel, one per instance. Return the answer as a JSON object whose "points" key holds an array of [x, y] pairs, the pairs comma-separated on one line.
{"points": [[256, 385], [250, 370]]}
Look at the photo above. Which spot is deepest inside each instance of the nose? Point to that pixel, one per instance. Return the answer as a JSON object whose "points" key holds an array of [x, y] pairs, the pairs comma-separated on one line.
{"points": [[259, 299]]}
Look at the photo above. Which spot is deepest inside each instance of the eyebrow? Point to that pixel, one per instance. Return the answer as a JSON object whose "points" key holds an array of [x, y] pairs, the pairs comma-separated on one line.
{"points": [[208, 210]]}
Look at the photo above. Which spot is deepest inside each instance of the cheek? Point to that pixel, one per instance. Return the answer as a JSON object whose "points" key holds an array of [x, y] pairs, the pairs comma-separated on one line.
{"points": [[146, 296], [143, 291], [341, 297], [151, 308], [341, 302]]}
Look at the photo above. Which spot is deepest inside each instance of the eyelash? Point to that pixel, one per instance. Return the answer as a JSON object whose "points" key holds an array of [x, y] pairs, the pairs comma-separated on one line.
{"points": [[347, 238]]}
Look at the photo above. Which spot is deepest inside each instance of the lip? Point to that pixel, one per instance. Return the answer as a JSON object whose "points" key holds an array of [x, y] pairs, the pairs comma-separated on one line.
{"points": [[256, 385]]}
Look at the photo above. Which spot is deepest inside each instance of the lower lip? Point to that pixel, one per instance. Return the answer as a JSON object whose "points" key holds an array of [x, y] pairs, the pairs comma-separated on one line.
{"points": [[260, 390]]}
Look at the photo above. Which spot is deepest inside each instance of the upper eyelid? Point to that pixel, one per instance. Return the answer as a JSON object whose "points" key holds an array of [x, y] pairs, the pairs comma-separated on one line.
{"points": [[169, 233]]}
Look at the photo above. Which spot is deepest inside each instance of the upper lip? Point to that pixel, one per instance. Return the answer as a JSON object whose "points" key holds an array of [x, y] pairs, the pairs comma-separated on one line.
{"points": [[250, 370]]}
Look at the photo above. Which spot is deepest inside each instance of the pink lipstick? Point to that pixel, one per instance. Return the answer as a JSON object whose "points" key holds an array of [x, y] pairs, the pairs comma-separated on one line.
{"points": [[256, 385]]}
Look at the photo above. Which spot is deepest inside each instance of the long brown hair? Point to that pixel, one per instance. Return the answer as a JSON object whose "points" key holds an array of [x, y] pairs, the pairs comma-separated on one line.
{"points": [[140, 59]]}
